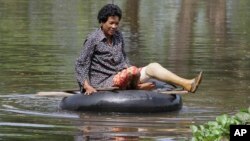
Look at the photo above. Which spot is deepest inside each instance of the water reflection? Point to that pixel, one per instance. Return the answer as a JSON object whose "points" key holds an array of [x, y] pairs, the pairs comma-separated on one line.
{"points": [[113, 133], [114, 128], [179, 51], [120, 127]]}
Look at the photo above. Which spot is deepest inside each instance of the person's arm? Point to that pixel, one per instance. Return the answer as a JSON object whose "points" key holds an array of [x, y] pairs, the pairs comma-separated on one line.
{"points": [[82, 66], [146, 86]]}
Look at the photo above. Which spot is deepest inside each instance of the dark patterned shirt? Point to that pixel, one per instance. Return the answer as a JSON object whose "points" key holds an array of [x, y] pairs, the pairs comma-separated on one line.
{"points": [[98, 61]]}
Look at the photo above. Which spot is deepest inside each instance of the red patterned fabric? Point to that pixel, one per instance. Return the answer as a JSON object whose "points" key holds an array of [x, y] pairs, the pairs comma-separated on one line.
{"points": [[127, 78]]}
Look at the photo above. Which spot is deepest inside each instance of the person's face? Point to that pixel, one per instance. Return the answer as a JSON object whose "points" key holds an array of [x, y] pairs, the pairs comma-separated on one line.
{"points": [[111, 25]]}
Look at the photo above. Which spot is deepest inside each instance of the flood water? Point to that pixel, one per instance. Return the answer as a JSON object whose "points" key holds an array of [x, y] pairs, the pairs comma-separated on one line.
{"points": [[39, 41]]}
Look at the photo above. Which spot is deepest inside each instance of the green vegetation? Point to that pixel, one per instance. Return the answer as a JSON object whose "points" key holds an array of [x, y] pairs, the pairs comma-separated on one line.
{"points": [[219, 130]]}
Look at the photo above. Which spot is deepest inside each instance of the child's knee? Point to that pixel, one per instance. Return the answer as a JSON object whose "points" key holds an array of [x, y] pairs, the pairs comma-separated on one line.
{"points": [[153, 65]]}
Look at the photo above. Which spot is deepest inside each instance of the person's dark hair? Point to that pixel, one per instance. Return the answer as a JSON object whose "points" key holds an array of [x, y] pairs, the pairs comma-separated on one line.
{"points": [[107, 11]]}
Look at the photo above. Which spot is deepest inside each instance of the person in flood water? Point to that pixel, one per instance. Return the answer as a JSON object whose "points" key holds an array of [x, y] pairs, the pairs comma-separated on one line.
{"points": [[103, 61]]}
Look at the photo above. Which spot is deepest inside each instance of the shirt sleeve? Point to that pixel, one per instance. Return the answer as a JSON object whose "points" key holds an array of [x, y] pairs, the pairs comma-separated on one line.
{"points": [[82, 65]]}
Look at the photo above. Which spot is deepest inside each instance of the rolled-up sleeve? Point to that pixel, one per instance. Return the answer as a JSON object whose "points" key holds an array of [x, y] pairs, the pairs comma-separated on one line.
{"points": [[82, 65]]}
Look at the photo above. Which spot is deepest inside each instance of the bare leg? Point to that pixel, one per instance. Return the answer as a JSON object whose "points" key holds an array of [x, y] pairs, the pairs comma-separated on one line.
{"points": [[155, 70]]}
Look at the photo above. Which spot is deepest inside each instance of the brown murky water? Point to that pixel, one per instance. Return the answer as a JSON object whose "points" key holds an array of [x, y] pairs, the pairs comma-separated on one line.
{"points": [[39, 41]]}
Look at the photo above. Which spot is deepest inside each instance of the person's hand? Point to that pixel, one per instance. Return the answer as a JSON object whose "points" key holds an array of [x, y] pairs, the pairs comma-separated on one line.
{"points": [[89, 90], [146, 86]]}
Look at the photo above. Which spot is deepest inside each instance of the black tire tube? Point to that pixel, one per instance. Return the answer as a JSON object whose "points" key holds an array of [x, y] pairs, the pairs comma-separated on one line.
{"points": [[124, 101]]}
